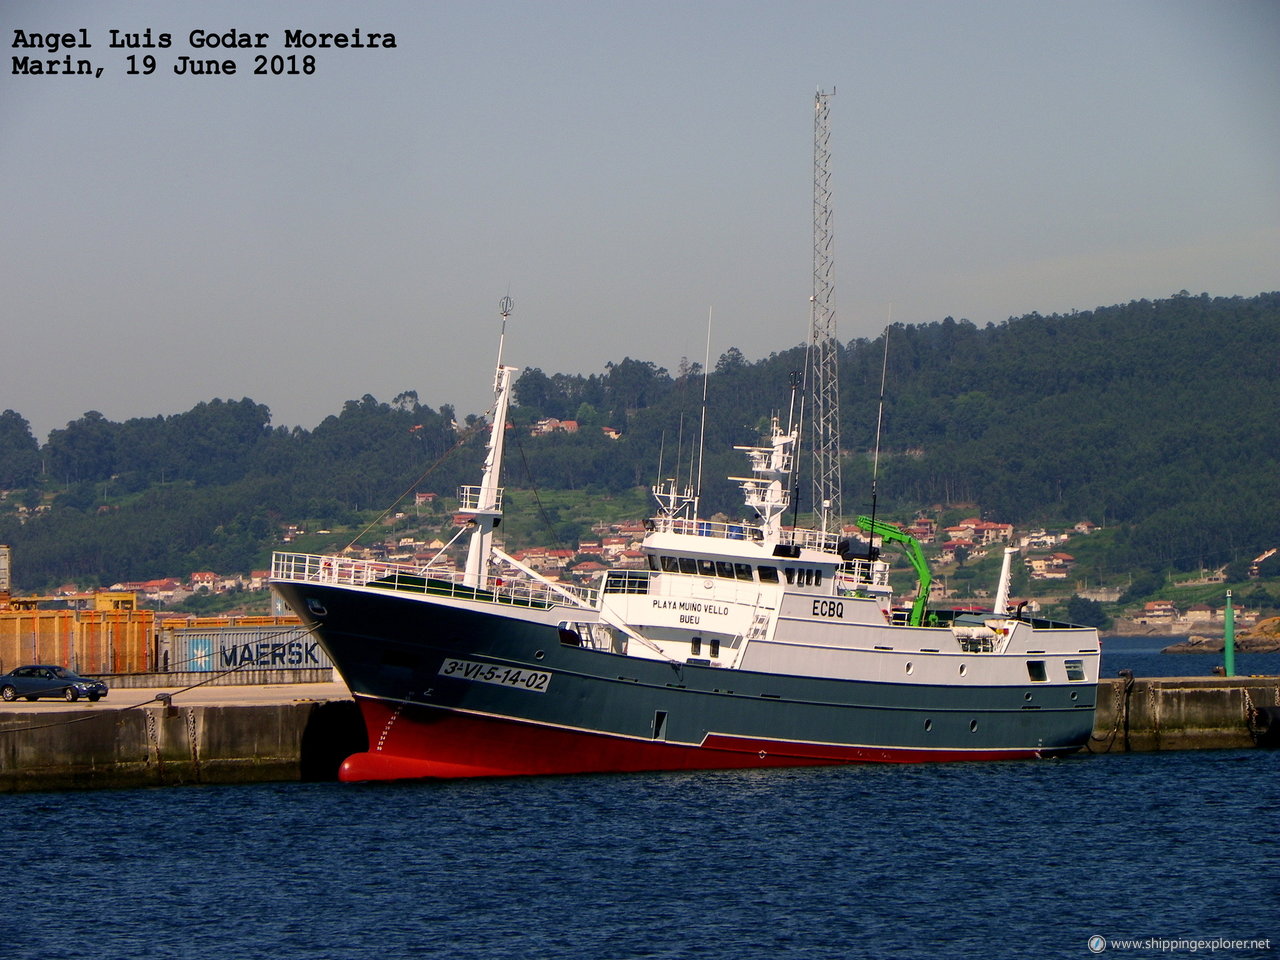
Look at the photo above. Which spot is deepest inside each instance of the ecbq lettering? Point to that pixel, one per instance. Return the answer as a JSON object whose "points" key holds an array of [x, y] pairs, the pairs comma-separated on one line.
{"points": [[828, 608]]}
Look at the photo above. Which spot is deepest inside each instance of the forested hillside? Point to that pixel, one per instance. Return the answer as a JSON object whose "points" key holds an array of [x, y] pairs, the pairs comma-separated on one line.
{"points": [[1158, 418]]}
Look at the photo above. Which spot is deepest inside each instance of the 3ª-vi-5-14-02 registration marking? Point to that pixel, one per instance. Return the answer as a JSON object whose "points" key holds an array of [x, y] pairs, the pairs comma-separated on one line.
{"points": [[535, 680]]}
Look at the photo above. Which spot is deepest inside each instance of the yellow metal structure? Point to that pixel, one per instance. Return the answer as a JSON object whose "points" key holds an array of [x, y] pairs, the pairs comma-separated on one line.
{"points": [[102, 632]]}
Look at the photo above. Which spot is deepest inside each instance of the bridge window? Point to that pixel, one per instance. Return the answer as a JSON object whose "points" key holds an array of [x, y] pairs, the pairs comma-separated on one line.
{"points": [[768, 574], [1036, 671], [742, 571], [669, 565], [724, 569], [626, 581], [687, 565], [706, 568]]}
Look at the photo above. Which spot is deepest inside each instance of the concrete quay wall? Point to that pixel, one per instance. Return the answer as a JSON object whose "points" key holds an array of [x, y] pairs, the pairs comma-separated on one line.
{"points": [[1186, 713], [47, 746], [160, 745]]}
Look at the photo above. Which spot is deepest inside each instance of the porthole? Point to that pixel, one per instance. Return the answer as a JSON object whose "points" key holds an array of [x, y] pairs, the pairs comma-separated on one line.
{"points": [[973, 726], [1075, 695], [1027, 696], [928, 725], [963, 669], [910, 667], [538, 655]]}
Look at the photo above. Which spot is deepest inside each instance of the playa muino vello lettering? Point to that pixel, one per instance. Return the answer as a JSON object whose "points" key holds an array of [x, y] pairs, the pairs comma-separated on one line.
{"points": [[689, 609]]}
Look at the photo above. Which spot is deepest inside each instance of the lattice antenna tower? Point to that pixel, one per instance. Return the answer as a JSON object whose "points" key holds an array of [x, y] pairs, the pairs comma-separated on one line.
{"points": [[824, 348]]}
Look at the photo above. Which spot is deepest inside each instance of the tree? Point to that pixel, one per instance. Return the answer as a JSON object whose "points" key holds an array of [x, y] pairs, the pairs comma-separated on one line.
{"points": [[19, 453], [633, 384], [535, 390], [731, 361], [586, 415], [1086, 612], [85, 450], [1142, 586]]}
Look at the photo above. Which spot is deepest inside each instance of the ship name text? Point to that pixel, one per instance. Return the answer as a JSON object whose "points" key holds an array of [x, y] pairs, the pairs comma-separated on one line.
{"points": [[692, 606]]}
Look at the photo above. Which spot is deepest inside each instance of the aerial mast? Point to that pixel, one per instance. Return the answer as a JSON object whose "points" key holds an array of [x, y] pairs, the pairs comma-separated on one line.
{"points": [[824, 348], [483, 504]]}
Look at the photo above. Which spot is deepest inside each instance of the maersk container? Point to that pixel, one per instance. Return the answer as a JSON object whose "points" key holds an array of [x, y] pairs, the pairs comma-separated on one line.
{"points": [[217, 644]]}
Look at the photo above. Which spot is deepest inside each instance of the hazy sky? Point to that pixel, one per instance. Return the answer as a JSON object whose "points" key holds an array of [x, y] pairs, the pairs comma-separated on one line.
{"points": [[620, 168]]}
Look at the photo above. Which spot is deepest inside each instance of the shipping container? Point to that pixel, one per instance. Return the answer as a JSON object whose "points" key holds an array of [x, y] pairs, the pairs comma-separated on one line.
{"points": [[219, 644]]}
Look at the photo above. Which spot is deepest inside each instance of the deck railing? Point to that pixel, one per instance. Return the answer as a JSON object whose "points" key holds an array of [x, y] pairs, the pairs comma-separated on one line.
{"points": [[813, 539], [471, 499], [519, 590]]}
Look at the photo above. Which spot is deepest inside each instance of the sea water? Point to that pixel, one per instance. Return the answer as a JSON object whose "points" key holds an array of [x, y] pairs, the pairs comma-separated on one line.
{"points": [[1143, 656], [985, 860]]}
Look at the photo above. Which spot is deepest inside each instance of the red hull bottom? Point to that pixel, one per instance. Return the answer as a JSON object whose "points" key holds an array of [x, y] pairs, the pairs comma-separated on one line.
{"points": [[445, 745]]}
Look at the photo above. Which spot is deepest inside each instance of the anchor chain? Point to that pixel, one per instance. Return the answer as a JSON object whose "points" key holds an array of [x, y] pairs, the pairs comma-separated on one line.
{"points": [[1251, 714], [192, 741], [1117, 717], [1110, 738], [154, 737], [1153, 708]]}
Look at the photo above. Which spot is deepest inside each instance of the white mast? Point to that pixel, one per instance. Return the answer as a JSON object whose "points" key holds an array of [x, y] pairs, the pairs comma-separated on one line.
{"points": [[484, 503], [1006, 583]]}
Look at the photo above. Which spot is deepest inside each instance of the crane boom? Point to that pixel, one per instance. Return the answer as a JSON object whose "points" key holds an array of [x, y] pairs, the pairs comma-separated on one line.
{"points": [[915, 555]]}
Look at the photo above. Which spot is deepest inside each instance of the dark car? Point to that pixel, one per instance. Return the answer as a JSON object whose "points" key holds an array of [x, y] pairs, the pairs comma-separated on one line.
{"points": [[43, 680]]}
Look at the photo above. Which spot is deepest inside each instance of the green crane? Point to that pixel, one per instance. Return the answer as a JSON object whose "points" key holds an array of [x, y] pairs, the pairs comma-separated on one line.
{"points": [[915, 554]]}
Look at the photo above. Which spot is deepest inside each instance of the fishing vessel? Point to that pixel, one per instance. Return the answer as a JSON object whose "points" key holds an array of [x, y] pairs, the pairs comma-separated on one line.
{"points": [[742, 644]]}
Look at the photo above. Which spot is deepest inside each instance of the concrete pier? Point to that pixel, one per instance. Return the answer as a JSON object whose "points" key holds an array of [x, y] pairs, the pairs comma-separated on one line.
{"points": [[225, 734], [1186, 713], [209, 735]]}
